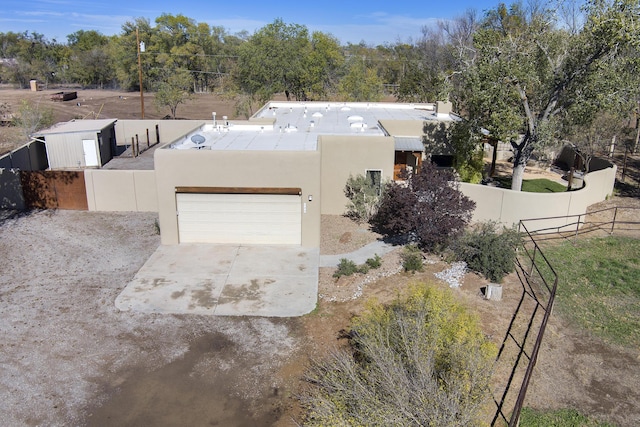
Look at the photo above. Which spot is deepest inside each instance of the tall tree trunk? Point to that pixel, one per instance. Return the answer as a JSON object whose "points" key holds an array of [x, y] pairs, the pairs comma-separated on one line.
{"points": [[516, 178], [494, 157], [522, 153], [524, 149]]}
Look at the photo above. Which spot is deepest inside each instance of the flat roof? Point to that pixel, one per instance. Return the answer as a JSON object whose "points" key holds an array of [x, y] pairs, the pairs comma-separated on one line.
{"points": [[295, 126], [78, 126]]}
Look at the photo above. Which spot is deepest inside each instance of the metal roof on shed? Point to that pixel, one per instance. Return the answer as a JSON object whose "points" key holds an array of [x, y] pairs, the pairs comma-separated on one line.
{"points": [[78, 126]]}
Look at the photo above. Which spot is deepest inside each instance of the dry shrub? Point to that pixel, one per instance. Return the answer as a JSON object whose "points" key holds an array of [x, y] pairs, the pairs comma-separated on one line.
{"points": [[422, 360]]}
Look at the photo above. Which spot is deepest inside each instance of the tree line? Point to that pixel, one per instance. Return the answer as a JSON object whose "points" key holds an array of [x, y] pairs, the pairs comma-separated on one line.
{"points": [[531, 76]]}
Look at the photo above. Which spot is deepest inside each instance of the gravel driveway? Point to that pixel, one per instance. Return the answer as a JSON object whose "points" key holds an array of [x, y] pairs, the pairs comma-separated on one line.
{"points": [[69, 357]]}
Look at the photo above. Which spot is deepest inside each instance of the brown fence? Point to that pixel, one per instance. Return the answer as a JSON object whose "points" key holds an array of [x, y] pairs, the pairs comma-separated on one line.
{"points": [[519, 350], [54, 190]]}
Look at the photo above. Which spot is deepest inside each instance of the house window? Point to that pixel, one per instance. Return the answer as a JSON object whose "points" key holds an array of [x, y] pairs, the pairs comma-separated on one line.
{"points": [[374, 178]]}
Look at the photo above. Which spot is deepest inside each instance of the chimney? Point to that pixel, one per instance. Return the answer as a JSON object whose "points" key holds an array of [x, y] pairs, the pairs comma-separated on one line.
{"points": [[443, 107]]}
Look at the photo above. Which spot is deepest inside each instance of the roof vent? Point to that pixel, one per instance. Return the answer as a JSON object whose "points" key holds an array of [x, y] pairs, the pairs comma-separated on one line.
{"points": [[198, 139]]}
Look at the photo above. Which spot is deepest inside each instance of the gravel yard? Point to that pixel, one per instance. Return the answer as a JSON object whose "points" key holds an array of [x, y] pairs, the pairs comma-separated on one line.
{"points": [[69, 357]]}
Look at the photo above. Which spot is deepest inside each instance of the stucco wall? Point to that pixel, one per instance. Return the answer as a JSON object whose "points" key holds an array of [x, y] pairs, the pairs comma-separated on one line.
{"points": [[509, 207], [245, 169], [121, 190], [169, 130], [348, 155], [403, 127]]}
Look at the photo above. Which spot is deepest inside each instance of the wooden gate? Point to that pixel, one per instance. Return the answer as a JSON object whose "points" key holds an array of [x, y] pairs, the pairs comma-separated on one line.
{"points": [[54, 190]]}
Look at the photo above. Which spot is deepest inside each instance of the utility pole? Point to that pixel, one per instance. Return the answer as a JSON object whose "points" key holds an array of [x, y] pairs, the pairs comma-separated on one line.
{"points": [[140, 73]]}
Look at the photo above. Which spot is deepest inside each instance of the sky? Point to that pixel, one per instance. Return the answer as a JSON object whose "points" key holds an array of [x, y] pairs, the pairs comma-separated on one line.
{"points": [[375, 22]]}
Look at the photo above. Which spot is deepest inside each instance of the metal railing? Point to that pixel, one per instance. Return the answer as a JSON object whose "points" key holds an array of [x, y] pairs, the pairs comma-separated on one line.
{"points": [[539, 284], [617, 218]]}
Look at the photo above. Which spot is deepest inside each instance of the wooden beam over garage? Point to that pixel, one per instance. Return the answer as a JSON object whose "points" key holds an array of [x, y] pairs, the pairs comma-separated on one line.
{"points": [[240, 190]]}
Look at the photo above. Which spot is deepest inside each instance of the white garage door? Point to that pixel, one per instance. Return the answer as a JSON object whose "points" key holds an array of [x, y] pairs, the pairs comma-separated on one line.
{"points": [[239, 218]]}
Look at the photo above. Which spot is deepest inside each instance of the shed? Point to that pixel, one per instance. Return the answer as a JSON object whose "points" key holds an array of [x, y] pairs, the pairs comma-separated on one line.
{"points": [[80, 143]]}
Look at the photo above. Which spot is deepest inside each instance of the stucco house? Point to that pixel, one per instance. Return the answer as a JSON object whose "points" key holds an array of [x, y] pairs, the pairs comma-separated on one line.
{"points": [[267, 180]]}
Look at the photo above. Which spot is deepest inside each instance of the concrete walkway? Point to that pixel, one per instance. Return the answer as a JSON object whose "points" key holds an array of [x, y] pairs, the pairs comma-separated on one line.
{"points": [[233, 280], [225, 280], [359, 256]]}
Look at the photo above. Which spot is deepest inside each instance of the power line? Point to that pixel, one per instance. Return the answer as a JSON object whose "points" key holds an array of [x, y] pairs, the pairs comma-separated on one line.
{"points": [[192, 54]]}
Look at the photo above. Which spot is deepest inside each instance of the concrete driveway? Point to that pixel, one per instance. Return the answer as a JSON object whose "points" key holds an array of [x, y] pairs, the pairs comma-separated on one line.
{"points": [[225, 280]]}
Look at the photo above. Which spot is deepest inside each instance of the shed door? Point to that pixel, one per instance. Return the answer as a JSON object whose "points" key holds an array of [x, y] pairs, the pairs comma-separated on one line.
{"points": [[239, 218], [90, 152]]}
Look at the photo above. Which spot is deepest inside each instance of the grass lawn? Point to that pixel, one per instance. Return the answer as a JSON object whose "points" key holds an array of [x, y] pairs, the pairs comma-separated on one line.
{"points": [[559, 418], [599, 286], [540, 185]]}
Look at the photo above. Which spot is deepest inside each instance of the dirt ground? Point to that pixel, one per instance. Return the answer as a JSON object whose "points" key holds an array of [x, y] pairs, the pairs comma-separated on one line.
{"points": [[104, 104], [69, 357]]}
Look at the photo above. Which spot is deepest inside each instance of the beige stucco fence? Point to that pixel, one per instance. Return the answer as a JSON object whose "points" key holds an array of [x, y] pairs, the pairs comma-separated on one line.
{"points": [[136, 190], [121, 190], [509, 207]]}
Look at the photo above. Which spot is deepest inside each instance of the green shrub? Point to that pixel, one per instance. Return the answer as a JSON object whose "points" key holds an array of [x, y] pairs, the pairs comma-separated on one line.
{"points": [[471, 170], [411, 258], [487, 251], [374, 262], [346, 267], [364, 197]]}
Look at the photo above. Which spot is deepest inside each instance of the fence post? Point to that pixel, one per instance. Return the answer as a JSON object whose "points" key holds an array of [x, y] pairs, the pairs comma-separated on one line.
{"points": [[147, 137], [578, 224], [133, 147], [533, 257], [613, 223]]}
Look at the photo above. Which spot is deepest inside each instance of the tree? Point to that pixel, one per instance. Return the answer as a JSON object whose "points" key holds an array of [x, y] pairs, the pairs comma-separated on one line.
{"points": [[322, 65], [596, 138], [529, 72], [89, 61], [361, 83], [419, 84], [430, 210], [174, 90], [421, 360], [433, 69], [124, 53], [272, 60], [31, 56], [461, 140], [32, 118]]}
